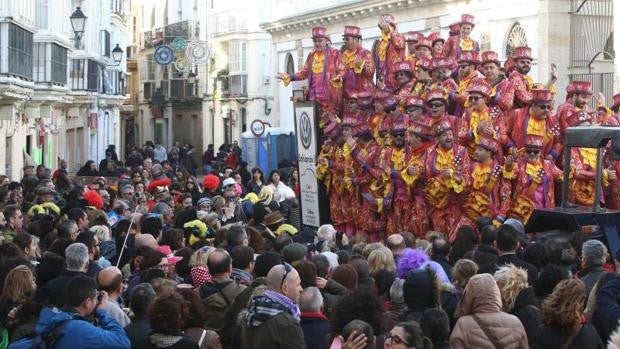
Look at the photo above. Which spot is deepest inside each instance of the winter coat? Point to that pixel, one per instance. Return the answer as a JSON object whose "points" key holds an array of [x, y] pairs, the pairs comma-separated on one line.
{"points": [[315, 327], [551, 337], [80, 333], [481, 298], [526, 309], [279, 331], [590, 276], [54, 291], [607, 313], [511, 258], [483, 255], [138, 330], [217, 297]]}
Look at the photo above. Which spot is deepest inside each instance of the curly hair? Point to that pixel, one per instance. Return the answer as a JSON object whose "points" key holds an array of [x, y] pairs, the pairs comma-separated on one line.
{"points": [[511, 280], [411, 259], [196, 314], [167, 313], [463, 270], [563, 307]]}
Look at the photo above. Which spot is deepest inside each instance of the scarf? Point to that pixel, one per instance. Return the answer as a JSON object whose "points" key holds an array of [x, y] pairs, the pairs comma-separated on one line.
{"points": [[268, 305]]}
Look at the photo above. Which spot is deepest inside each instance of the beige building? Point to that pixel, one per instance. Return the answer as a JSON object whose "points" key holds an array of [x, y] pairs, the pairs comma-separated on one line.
{"points": [[59, 99], [575, 35]]}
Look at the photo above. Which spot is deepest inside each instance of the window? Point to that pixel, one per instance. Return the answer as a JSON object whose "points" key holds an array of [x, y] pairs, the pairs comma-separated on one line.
{"points": [[20, 52], [290, 65], [147, 90], [77, 74], [238, 85], [106, 43], [516, 38], [40, 14], [237, 56], [150, 68], [59, 64], [176, 88], [39, 65], [92, 76], [244, 121]]}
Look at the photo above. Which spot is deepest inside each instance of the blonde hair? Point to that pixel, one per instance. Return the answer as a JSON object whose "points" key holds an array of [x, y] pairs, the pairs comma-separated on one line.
{"points": [[200, 257], [371, 247], [19, 284], [266, 194], [463, 270], [102, 232], [380, 259], [511, 280], [217, 202]]}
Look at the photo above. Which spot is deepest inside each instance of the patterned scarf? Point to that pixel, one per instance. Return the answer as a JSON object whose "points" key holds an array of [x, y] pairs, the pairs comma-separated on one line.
{"points": [[268, 305]]}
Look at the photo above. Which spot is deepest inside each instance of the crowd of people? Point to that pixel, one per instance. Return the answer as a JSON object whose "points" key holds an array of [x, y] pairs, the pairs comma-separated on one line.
{"points": [[427, 250], [425, 132]]}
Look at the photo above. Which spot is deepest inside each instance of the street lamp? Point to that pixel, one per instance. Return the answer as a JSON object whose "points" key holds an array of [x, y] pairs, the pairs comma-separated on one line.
{"points": [[78, 22], [117, 54]]}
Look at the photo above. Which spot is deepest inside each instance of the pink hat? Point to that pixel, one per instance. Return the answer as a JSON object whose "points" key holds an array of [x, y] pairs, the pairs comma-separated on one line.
{"points": [[412, 36], [424, 42], [581, 87], [467, 19], [490, 57], [434, 37], [541, 95], [522, 52], [424, 63], [442, 62], [480, 86], [469, 57], [455, 28], [172, 259], [319, 32], [353, 31]]}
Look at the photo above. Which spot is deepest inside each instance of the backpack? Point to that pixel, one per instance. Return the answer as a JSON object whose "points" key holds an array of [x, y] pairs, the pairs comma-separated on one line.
{"points": [[36, 341], [218, 303]]}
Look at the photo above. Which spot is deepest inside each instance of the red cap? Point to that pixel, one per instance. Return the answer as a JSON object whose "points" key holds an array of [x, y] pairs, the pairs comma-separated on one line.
{"points": [[577, 117], [440, 127], [319, 32], [467, 19], [401, 66], [442, 62], [469, 57], [480, 86], [581, 87], [353, 31], [488, 143], [434, 37], [421, 129], [400, 123], [424, 63], [490, 56], [414, 101], [541, 95], [424, 42], [534, 141], [413, 36], [436, 93], [522, 52]]}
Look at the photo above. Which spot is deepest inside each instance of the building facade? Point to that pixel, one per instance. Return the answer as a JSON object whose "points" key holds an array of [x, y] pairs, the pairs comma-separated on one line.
{"points": [[58, 99], [573, 34], [241, 83]]}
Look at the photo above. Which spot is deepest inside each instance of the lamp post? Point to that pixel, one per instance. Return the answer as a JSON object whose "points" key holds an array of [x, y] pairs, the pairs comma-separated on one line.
{"points": [[117, 54], [78, 22]]}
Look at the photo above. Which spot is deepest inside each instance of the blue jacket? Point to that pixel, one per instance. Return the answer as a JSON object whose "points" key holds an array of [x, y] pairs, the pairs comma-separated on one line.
{"points": [[81, 333], [607, 312]]}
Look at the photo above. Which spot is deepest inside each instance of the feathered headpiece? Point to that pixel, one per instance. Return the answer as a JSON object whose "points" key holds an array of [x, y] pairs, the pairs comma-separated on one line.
{"points": [[94, 199], [159, 183], [210, 182]]}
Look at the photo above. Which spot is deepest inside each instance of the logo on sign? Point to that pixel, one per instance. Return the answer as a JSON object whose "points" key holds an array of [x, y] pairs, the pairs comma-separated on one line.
{"points": [[257, 127], [305, 130]]}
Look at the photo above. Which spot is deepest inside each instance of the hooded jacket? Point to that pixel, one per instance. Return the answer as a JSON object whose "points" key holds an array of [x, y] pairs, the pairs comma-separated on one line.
{"points": [[81, 333], [482, 298]]}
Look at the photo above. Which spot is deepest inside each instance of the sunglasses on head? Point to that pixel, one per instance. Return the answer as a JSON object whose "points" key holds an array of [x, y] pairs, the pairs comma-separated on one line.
{"points": [[287, 269], [544, 106]]}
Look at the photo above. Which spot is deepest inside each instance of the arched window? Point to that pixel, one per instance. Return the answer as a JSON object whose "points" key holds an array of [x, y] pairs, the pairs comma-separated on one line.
{"points": [[290, 65], [609, 47], [516, 37]]}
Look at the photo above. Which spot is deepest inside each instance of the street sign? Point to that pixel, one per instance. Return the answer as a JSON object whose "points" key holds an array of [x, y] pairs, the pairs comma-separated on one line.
{"points": [[257, 127]]}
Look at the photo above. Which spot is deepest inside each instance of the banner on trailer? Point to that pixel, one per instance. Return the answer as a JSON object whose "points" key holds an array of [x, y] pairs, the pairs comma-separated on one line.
{"points": [[306, 133]]}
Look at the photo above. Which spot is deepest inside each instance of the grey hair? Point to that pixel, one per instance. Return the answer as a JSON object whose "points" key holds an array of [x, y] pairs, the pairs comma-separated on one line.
{"points": [[161, 208], [102, 232], [76, 256], [311, 300], [396, 291], [325, 232], [593, 252]]}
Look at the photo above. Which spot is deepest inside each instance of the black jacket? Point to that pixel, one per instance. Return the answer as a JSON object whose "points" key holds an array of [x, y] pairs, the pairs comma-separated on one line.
{"points": [[526, 309], [532, 272], [445, 264], [483, 255], [590, 276], [315, 329], [138, 330], [550, 337], [54, 292]]}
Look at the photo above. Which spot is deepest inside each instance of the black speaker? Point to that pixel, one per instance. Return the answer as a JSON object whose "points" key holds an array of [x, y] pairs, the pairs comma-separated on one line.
{"points": [[601, 225]]}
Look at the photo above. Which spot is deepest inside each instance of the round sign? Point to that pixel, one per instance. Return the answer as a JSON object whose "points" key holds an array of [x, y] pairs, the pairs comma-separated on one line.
{"points": [[179, 44], [305, 130], [197, 52], [257, 127], [163, 55], [181, 65]]}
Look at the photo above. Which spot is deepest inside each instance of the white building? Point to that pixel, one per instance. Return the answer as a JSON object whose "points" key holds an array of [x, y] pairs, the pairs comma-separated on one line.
{"points": [[241, 68], [58, 100], [573, 34]]}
